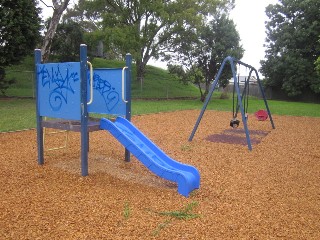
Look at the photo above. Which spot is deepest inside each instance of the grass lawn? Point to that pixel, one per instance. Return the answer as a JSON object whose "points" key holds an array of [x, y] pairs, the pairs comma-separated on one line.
{"points": [[157, 83], [17, 114]]}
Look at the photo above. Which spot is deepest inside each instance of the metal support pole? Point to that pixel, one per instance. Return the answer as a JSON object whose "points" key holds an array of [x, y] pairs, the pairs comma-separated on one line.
{"points": [[208, 98], [37, 60], [128, 96], [265, 100], [84, 110]]}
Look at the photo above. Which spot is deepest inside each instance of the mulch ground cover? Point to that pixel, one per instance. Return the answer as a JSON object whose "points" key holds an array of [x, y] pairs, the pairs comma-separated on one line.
{"points": [[271, 192]]}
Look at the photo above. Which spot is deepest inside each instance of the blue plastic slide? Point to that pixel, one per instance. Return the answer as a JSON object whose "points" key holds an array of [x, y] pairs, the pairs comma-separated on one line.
{"points": [[187, 177]]}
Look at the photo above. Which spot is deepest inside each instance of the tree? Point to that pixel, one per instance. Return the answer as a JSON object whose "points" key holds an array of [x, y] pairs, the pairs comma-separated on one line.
{"points": [[92, 31], [317, 64], [19, 33], [58, 8], [68, 37], [203, 51], [144, 28], [292, 46], [89, 22]]}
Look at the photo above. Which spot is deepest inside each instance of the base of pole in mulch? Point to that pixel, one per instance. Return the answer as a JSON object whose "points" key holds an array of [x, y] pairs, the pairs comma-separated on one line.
{"points": [[237, 136]]}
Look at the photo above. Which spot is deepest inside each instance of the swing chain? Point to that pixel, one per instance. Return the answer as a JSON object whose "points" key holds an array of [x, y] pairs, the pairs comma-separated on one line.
{"points": [[244, 98], [234, 122]]}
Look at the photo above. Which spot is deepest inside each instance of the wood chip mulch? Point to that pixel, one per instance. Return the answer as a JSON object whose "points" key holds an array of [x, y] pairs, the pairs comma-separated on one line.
{"points": [[272, 192]]}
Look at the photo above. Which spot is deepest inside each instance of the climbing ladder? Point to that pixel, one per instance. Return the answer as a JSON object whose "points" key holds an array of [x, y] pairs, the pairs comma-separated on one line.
{"points": [[47, 133]]}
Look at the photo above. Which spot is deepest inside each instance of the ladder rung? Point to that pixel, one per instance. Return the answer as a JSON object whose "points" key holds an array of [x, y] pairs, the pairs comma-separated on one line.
{"points": [[49, 133]]}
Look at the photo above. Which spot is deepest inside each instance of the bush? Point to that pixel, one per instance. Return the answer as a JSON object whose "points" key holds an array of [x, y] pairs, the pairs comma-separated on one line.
{"points": [[4, 83]]}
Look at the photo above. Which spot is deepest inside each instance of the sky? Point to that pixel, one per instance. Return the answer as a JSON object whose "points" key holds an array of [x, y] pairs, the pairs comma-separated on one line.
{"points": [[249, 17]]}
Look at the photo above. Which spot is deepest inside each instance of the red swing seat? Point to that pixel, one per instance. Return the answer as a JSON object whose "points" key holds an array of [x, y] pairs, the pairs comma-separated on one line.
{"points": [[261, 115]]}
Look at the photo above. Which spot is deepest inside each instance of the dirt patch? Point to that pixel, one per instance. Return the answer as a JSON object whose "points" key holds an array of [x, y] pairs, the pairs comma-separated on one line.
{"points": [[238, 136], [271, 192], [118, 169]]}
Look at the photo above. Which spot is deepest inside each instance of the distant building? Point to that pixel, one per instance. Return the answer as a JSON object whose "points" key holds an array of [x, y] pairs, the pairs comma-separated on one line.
{"points": [[253, 88], [253, 80]]}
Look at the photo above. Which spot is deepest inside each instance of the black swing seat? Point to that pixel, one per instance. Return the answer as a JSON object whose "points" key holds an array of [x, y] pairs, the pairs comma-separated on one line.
{"points": [[234, 123]]}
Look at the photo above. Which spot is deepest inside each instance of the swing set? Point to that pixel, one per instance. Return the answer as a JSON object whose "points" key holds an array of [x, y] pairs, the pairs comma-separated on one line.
{"points": [[241, 100]]}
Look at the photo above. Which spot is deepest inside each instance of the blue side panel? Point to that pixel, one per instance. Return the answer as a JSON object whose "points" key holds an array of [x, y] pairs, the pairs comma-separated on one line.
{"points": [[107, 92], [59, 90], [187, 177]]}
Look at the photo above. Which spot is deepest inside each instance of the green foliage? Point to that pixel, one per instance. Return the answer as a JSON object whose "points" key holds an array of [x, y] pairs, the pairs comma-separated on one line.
{"points": [[224, 29], [26, 64], [68, 37], [5, 82], [292, 46], [317, 64], [184, 214], [203, 51], [19, 33], [179, 73], [20, 27], [145, 28], [126, 211], [103, 63], [186, 147], [190, 76], [23, 77]]}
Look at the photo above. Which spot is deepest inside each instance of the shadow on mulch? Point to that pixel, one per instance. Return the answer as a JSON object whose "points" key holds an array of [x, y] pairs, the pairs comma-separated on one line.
{"points": [[237, 136]]}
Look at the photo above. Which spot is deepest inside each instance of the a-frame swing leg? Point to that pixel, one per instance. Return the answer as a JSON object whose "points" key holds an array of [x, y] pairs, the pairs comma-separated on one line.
{"points": [[265, 100], [214, 84], [262, 93]]}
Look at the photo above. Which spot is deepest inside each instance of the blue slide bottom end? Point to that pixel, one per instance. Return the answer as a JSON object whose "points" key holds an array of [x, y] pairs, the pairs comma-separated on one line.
{"points": [[187, 177]]}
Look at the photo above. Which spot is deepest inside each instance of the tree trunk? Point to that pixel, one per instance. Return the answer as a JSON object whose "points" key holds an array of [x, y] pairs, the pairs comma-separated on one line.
{"points": [[206, 91], [224, 94], [141, 67], [202, 96], [57, 13]]}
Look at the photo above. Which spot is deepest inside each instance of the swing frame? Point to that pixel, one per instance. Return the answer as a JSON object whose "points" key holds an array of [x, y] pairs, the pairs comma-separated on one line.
{"points": [[240, 106]]}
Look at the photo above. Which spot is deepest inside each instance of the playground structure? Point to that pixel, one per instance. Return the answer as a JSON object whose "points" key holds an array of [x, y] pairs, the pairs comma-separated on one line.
{"points": [[242, 101], [67, 93]]}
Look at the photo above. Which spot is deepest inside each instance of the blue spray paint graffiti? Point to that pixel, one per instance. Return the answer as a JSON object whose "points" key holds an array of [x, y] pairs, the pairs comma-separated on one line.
{"points": [[110, 96], [60, 82]]}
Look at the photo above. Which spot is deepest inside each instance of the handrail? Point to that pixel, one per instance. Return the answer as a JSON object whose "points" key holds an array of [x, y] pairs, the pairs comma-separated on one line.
{"points": [[91, 83], [123, 99]]}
